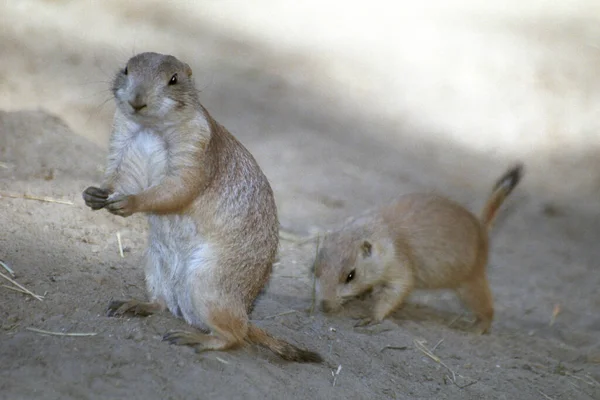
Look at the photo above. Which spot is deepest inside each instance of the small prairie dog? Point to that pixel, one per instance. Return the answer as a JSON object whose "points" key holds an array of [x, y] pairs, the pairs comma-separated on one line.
{"points": [[422, 241], [213, 227]]}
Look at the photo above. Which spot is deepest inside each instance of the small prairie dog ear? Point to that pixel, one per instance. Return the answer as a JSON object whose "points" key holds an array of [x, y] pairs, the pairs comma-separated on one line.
{"points": [[188, 70], [367, 248]]}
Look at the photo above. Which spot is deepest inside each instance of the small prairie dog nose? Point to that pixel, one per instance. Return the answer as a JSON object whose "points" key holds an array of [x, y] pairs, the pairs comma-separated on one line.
{"points": [[137, 103]]}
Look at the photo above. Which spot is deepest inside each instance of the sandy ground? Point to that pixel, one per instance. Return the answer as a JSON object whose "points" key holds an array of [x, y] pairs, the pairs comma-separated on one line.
{"points": [[344, 108]]}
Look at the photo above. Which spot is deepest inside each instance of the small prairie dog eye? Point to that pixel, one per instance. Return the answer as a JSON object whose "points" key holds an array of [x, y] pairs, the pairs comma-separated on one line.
{"points": [[173, 80], [125, 70], [350, 276]]}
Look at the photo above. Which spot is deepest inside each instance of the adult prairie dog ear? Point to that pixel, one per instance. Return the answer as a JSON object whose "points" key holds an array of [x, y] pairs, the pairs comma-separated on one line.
{"points": [[367, 248], [188, 70]]}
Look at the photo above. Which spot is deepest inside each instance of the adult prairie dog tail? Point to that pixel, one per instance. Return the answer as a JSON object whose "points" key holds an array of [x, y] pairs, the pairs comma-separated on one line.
{"points": [[501, 190], [283, 349]]}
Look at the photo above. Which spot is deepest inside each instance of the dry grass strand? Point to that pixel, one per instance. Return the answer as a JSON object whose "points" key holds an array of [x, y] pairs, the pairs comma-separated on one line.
{"points": [[335, 374], [72, 334], [120, 245], [16, 289], [7, 268], [23, 288], [38, 198], [281, 314], [420, 345]]}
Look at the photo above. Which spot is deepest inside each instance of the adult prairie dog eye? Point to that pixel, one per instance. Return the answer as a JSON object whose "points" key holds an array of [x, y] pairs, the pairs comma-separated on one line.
{"points": [[173, 80], [125, 70], [350, 276]]}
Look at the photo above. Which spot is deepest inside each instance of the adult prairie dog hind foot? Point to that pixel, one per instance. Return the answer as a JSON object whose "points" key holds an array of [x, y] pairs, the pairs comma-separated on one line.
{"points": [[213, 228], [422, 241]]}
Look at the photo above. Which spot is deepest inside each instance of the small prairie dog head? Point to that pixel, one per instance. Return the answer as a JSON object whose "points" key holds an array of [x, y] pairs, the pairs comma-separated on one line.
{"points": [[154, 87], [347, 265]]}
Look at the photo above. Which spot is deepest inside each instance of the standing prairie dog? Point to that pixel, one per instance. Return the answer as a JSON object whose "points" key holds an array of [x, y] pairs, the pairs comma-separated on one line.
{"points": [[213, 233], [422, 241]]}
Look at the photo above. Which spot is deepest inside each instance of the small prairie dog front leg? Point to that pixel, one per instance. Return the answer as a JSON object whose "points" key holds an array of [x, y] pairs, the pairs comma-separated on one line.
{"points": [[390, 298]]}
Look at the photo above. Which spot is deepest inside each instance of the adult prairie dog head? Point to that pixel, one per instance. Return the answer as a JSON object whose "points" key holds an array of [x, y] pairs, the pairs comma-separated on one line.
{"points": [[350, 262], [155, 88]]}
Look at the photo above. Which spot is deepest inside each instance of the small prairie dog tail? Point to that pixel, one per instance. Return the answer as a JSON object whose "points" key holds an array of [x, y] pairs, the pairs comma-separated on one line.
{"points": [[501, 190], [283, 349]]}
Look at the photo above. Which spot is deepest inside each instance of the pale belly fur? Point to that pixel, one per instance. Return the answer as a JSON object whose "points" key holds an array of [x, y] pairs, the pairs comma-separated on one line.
{"points": [[176, 252]]}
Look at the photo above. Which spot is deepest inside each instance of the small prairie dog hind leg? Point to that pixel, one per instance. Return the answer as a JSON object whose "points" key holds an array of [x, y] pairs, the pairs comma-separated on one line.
{"points": [[476, 295]]}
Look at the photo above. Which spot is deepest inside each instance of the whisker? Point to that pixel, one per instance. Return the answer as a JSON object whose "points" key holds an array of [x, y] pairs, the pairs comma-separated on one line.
{"points": [[98, 93], [97, 109], [94, 83]]}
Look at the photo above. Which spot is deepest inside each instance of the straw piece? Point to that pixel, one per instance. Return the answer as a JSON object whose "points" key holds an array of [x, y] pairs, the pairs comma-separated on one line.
{"points": [[38, 198], [7, 268], [17, 284], [73, 334]]}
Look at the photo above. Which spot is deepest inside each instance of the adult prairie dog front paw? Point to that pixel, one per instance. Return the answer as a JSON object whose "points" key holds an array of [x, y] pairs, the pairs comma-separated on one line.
{"points": [[120, 204], [95, 197]]}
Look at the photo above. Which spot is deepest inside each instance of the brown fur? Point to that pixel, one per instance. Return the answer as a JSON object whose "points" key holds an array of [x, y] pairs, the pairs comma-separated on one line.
{"points": [[422, 241], [213, 220]]}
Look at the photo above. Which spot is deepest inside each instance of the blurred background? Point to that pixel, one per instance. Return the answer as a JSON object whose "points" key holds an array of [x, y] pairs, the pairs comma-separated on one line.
{"points": [[349, 96]]}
